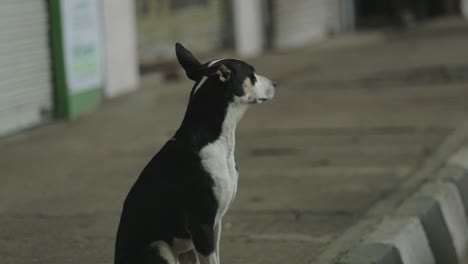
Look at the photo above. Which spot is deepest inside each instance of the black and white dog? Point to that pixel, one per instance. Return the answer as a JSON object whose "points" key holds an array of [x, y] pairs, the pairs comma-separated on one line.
{"points": [[173, 212]]}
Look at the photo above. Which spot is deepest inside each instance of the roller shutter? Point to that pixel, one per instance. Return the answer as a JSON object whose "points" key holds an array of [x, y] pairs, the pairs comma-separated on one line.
{"points": [[25, 70]]}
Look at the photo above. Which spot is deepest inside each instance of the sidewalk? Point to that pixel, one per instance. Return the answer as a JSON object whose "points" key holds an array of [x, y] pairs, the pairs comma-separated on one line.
{"points": [[351, 122]]}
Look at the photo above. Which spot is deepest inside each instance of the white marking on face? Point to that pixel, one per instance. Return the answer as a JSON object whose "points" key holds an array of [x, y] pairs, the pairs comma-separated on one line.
{"points": [[263, 90], [247, 85]]}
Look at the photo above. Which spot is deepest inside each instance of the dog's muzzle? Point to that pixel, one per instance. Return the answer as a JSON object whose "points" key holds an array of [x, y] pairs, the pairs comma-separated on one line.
{"points": [[264, 90]]}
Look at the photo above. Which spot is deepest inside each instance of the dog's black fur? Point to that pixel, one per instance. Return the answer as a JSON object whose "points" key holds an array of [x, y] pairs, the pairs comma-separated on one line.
{"points": [[173, 196]]}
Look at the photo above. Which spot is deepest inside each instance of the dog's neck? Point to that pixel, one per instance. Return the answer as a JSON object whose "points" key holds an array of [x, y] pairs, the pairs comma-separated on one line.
{"points": [[228, 131], [207, 122]]}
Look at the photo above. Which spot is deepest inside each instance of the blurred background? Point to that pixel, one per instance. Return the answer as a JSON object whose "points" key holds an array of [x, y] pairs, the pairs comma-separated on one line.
{"points": [[368, 91], [126, 38]]}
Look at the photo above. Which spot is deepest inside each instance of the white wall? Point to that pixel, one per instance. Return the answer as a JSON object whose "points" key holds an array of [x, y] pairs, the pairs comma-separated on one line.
{"points": [[120, 50], [248, 27], [300, 22]]}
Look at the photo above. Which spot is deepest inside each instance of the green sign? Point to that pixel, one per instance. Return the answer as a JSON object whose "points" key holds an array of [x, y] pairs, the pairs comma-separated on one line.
{"points": [[77, 45]]}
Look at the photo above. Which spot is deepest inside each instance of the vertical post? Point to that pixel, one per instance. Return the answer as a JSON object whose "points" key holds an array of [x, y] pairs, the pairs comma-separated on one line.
{"points": [[348, 15], [120, 55], [339, 15], [464, 8], [248, 27]]}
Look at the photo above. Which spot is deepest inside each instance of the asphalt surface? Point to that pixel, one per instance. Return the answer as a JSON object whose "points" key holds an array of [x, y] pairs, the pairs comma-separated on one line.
{"points": [[352, 118]]}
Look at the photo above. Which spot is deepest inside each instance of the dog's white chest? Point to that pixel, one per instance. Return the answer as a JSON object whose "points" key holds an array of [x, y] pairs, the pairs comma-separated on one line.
{"points": [[218, 160]]}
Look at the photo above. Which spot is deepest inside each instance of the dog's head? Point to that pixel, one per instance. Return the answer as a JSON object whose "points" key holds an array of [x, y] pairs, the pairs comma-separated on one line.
{"points": [[234, 80]]}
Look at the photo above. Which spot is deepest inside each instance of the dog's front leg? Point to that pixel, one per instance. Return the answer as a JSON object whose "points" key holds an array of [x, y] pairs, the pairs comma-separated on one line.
{"points": [[217, 235], [203, 238], [210, 259], [189, 257]]}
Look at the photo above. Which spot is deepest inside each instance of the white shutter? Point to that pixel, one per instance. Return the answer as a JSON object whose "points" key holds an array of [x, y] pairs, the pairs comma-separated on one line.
{"points": [[25, 69], [298, 22]]}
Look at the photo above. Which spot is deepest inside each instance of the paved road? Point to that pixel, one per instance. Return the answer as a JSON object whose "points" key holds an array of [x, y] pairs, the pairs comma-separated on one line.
{"points": [[349, 123]]}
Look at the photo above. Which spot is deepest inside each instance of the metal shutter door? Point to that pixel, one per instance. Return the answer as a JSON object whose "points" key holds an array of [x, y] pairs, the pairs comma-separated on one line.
{"points": [[298, 22], [25, 70]]}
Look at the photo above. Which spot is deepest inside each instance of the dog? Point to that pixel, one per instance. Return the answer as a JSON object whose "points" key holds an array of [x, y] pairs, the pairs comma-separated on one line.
{"points": [[173, 212]]}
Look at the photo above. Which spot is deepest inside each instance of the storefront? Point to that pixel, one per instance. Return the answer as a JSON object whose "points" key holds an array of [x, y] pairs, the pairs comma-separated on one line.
{"points": [[59, 58], [50, 61]]}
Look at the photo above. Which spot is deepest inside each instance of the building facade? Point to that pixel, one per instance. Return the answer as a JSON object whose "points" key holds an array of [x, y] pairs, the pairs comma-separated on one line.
{"points": [[60, 58], [287, 24], [282, 24]]}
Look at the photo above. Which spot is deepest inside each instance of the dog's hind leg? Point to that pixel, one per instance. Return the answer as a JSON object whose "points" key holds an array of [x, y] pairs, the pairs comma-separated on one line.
{"points": [[189, 257], [159, 252]]}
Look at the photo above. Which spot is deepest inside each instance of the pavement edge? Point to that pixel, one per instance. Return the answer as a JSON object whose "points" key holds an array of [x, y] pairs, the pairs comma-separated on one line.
{"points": [[424, 222], [428, 227]]}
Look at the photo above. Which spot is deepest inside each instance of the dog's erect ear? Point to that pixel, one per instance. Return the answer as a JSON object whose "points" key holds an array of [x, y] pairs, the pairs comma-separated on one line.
{"points": [[195, 70], [221, 70], [190, 64]]}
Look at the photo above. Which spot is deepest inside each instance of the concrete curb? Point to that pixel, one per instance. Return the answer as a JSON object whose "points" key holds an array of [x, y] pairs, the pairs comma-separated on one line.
{"points": [[429, 227]]}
